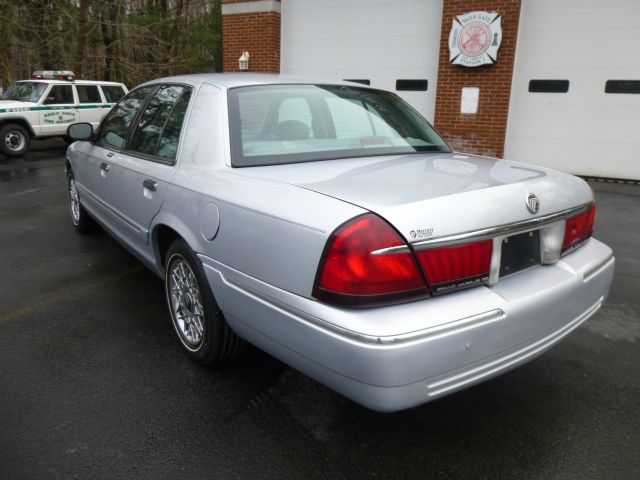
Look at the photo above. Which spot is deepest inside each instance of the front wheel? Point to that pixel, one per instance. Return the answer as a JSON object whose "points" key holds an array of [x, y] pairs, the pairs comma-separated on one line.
{"points": [[79, 216], [196, 317], [14, 140]]}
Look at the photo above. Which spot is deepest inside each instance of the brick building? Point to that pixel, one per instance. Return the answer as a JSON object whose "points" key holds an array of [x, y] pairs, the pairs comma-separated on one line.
{"points": [[563, 90]]}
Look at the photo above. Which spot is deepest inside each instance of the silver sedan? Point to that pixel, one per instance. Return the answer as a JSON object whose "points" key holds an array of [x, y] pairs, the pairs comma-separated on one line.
{"points": [[331, 226]]}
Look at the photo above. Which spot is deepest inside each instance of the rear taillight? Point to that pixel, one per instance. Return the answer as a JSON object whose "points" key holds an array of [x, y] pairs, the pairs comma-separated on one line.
{"points": [[351, 274], [578, 228], [456, 267]]}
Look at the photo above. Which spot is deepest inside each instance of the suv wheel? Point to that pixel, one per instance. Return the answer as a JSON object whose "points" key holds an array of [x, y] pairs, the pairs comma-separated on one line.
{"points": [[14, 140]]}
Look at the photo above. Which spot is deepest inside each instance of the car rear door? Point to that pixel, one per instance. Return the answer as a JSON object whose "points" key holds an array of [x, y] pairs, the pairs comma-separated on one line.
{"points": [[93, 173], [141, 173]]}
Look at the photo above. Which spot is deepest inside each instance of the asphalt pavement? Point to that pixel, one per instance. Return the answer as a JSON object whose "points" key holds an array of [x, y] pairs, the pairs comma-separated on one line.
{"points": [[93, 383]]}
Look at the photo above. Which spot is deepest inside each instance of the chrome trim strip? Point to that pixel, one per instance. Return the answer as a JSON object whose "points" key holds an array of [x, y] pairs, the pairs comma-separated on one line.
{"points": [[486, 233], [443, 329]]}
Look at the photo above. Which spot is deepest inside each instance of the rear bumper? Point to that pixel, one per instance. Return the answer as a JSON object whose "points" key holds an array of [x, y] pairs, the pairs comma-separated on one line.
{"points": [[391, 358]]}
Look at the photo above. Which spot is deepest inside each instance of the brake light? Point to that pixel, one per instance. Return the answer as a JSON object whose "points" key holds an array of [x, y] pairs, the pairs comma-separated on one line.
{"points": [[456, 267], [578, 228], [350, 274]]}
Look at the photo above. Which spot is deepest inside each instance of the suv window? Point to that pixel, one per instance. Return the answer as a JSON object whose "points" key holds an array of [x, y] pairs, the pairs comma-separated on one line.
{"points": [[88, 94], [112, 93], [154, 118], [59, 94], [115, 126], [25, 92]]}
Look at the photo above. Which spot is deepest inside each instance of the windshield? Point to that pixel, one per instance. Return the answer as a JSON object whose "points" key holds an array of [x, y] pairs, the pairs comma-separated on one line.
{"points": [[25, 92], [277, 124]]}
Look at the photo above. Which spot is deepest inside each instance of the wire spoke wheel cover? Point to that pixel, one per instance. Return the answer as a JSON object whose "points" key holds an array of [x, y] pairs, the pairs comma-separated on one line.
{"points": [[74, 201], [185, 301]]}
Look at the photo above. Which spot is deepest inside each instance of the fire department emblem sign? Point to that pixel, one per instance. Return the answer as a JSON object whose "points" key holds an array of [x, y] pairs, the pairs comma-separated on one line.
{"points": [[475, 38]]}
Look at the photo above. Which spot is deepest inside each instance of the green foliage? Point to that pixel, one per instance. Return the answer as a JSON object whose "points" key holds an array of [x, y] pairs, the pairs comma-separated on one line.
{"points": [[124, 40]]}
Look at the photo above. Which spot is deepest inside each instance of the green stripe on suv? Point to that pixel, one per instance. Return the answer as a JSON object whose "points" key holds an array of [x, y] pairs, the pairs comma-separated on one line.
{"points": [[62, 107]]}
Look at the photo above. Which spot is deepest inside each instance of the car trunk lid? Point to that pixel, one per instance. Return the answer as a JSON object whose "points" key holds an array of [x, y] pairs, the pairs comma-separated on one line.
{"points": [[427, 196]]}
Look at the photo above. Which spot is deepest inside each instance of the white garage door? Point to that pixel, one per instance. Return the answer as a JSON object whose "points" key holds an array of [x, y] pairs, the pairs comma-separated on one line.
{"points": [[375, 40], [584, 131]]}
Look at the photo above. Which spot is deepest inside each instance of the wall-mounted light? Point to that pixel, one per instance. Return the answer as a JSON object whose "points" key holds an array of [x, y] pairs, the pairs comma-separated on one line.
{"points": [[243, 61]]}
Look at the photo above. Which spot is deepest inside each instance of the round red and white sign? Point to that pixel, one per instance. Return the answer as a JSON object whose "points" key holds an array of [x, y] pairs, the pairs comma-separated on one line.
{"points": [[475, 39]]}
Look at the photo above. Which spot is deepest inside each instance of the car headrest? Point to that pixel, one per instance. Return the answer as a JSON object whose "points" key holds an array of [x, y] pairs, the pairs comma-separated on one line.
{"points": [[292, 130]]}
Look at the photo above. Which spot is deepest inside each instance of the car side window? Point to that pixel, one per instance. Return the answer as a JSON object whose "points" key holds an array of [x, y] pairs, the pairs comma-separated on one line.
{"points": [[112, 93], [114, 129], [88, 94], [152, 122], [168, 146], [59, 94]]}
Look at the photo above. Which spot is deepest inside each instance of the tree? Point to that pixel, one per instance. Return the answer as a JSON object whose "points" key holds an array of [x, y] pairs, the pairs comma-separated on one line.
{"points": [[124, 40]]}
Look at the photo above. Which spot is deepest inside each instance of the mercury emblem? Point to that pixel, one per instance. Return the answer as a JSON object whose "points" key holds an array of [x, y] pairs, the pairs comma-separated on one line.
{"points": [[533, 204]]}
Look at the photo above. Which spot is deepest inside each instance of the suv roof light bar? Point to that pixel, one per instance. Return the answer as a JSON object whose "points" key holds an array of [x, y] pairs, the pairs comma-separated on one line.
{"points": [[67, 75]]}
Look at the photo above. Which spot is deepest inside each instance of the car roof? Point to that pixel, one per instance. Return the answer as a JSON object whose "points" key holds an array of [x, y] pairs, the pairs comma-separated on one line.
{"points": [[232, 80]]}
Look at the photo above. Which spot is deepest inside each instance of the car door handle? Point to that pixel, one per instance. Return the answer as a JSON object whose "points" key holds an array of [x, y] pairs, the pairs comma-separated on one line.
{"points": [[105, 166], [150, 185], [110, 154]]}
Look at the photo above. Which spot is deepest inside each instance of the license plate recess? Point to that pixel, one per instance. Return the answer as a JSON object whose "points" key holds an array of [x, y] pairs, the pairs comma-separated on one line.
{"points": [[519, 252]]}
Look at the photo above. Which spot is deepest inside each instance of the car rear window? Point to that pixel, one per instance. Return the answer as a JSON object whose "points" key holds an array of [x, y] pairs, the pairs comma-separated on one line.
{"points": [[279, 124], [112, 93]]}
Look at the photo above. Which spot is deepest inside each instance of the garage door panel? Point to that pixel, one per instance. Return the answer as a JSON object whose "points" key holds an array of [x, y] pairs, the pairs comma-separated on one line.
{"points": [[576, 122], [379, 41], [563, 14], [584, 131], [580, 46], [605, 161]]}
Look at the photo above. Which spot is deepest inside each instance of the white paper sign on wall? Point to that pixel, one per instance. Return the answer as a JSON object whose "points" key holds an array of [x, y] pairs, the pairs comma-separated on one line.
{"points": [[470, 99], [475, 38]]}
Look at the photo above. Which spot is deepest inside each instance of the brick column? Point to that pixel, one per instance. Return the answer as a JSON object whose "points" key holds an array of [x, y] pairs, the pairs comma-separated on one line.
{"points": [[253, 26], [484, 132]]}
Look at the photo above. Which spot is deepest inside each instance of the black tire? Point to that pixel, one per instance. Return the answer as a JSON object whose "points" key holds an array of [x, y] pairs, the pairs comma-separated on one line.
{"points": [[196, 317], [79, 216], [15, 141]]}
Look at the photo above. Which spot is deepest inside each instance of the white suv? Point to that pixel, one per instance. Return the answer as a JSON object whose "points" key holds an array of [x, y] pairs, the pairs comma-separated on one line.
{"points": [[47, 104]]}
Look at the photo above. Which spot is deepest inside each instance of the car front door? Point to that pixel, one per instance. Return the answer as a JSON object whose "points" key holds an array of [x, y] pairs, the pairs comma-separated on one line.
{"points": [[142, 172], [94, 168], [58, 110]]}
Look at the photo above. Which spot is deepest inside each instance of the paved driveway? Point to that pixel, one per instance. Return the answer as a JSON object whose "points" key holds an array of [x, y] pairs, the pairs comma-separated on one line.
{"points": [[93, 383]]}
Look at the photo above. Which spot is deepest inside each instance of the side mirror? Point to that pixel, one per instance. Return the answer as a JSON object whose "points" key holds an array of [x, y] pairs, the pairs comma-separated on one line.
{"points": [[80, 131], [50, 100]]}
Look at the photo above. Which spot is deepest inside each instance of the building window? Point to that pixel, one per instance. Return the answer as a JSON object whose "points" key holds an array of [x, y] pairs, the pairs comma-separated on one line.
{"points": [[362, 81], [622, 86], [412, 85], [549, 86]]}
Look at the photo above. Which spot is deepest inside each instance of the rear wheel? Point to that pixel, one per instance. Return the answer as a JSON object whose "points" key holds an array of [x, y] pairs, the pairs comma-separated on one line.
{"points": [[79, 216], [14, 140], [196, 317]]}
